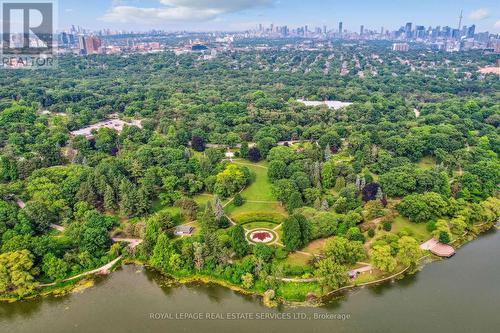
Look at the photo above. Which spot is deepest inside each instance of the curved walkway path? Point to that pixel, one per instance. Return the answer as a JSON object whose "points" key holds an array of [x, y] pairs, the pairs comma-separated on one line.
{"points": [[58, 227], [101, 270]]}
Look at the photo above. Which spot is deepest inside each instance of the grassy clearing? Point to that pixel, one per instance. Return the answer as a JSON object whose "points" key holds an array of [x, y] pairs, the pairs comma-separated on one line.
{"points": [[260, 189], [203, 198], [316, 246], [258, 196], [253, 207], [417, 230], [401, 223], [158, 207], [375, 275], [298, 259], [427, 163], [297, 292]]}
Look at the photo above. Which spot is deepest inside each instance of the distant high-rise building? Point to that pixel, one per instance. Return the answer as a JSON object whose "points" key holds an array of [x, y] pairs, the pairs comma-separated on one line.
{"points": [[419, 31], [464, 31], [408, 30], [82, 45], [362, 30], [446, 32], [471, 31], [89, 44], [381, 31], [324, 29], [340, 28], [64, 39]]}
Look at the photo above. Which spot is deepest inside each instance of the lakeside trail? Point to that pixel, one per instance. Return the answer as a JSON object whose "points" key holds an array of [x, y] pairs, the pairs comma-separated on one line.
{"points": [[105, 269]]}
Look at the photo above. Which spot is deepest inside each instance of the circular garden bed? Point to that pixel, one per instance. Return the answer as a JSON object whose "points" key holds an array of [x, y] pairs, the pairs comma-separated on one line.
{"points": [[262, 236]]}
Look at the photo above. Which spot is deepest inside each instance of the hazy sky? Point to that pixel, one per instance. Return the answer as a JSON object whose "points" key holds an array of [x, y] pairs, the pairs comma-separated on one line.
{"points": [[243, 14]]}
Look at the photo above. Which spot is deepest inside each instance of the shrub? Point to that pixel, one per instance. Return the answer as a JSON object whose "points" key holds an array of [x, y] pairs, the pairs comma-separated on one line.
{"points": [[264, 252], [371, 233], [254, 155], [281, 253], [444, 237], [238, 200], [259, 217], [198, 143], [431, 226], [387, 226]]}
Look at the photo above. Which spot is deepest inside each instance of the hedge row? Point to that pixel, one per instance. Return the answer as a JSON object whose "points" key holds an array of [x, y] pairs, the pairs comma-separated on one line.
{"points": [[259, 217]]}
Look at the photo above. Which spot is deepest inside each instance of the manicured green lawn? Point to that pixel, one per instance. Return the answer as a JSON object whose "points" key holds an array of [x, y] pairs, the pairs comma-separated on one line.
{"points": [[258, 196], [202, 199], [418, 230], [260, 189], [251, 207]]}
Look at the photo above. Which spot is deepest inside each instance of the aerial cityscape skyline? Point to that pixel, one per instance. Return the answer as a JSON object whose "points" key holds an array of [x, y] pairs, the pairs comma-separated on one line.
{"points": [[195, 15]]}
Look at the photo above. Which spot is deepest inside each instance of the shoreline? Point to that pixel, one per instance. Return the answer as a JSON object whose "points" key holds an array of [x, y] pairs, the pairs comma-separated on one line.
{"points": [[88, 281]]}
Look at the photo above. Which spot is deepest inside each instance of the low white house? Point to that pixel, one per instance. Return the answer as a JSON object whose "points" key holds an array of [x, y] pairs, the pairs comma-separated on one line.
{"points": [[184, 230]]}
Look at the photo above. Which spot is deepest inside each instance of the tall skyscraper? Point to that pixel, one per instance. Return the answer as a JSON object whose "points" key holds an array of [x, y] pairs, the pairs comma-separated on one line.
{"points": [[362, 30], [420, 31], [340, 28], [64, 39], [89, 44], [471, 31], [82, 45], [408, 29]]}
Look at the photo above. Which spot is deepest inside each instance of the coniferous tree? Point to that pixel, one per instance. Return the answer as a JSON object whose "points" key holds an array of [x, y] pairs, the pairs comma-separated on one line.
{"points": [[109, 199], [244, 150], [128, 198], [295, 201], [292, 238], [218, 208], [161, 253], [238, 241], [238, 200], [209, 222]]}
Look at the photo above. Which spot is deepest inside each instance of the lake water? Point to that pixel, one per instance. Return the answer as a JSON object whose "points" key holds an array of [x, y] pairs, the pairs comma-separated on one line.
{"points": [[457, 295]]}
